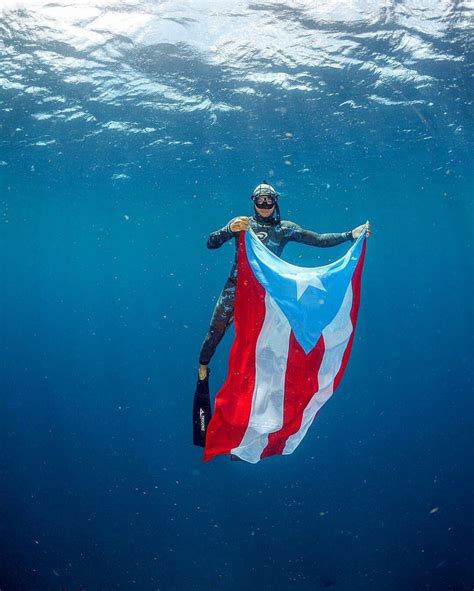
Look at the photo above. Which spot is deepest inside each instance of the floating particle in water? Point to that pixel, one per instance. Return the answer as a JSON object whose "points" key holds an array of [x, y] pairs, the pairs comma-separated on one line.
{"points": [[126, 217], [434, 510]]}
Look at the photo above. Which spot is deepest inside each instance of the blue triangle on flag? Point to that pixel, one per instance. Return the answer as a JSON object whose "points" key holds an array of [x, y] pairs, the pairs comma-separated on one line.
{"points": [[309, 298]]}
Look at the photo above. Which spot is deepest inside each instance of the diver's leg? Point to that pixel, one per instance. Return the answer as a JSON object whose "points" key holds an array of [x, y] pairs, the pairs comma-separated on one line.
{"points": [[220, 322], [221, 319]]}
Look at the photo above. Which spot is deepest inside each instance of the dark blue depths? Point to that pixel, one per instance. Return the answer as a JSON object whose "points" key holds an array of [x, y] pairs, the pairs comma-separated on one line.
{"points": [[107, 289]]}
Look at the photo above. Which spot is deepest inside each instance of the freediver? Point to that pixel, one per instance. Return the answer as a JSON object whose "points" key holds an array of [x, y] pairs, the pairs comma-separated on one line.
{"points": [[275, 234]]}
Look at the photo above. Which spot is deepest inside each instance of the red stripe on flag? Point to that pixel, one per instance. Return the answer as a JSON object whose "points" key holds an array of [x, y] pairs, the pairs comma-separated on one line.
{"points": [[356, 283], [234, 400], [301, 382]]}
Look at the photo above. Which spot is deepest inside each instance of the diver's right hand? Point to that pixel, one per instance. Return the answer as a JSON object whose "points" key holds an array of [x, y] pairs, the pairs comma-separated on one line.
{"points": [[241, 223]]}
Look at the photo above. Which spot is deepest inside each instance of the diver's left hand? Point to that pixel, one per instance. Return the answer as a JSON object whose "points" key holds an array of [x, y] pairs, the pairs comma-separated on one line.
{"points": [[356, 232]]}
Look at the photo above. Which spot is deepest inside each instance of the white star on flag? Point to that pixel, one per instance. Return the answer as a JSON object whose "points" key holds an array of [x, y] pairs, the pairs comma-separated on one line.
{"points": [[305, 280]]}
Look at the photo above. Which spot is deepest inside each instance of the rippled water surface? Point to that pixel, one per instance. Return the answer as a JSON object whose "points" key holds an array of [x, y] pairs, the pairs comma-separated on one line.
{"points": [[128, 132]]}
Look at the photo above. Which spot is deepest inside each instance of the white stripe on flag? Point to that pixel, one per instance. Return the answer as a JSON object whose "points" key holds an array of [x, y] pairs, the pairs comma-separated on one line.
{"points": [[271, 355], [336, 337]]}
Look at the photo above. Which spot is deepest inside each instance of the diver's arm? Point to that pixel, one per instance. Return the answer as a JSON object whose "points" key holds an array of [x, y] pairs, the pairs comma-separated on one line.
{"points": [[217, 239], [297, 234]]}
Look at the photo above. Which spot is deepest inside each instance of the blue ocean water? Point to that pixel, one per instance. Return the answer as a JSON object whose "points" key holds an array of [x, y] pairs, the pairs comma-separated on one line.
{"points": [[129, 131]]}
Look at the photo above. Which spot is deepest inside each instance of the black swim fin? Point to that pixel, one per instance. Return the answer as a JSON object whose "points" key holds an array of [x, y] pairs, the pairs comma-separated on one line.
{"points": [[202, 412]]}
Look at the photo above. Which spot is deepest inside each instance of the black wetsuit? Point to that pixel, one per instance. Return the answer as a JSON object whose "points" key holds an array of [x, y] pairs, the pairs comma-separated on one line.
{"points": [[275, 235]]}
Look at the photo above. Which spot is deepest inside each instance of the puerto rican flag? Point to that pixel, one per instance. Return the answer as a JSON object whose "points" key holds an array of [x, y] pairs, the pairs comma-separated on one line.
{"points": [[294, 328]]}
